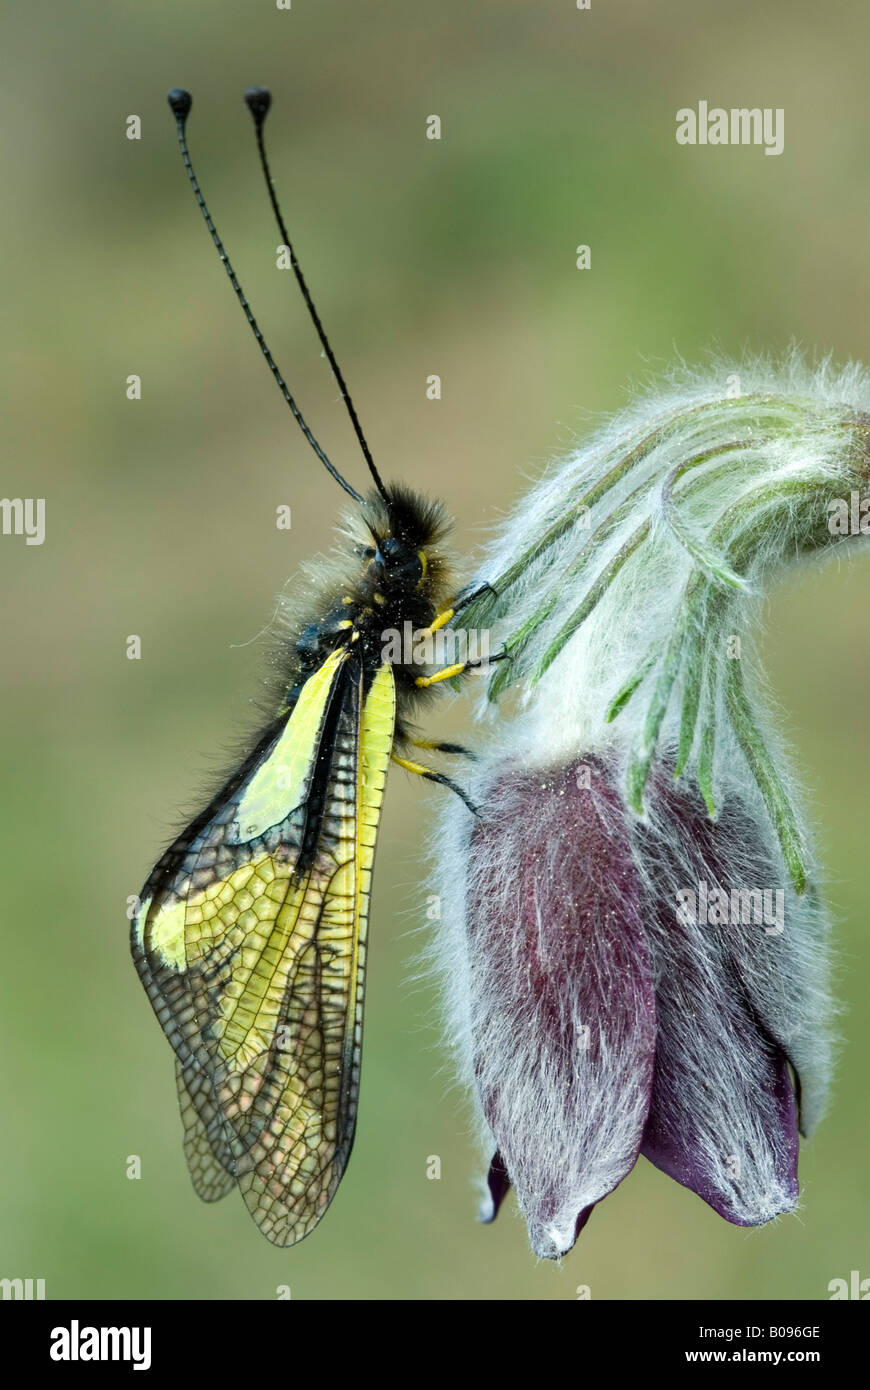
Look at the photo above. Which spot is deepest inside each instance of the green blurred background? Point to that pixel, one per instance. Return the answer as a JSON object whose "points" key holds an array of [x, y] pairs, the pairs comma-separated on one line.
{"points": [[453, 257]]}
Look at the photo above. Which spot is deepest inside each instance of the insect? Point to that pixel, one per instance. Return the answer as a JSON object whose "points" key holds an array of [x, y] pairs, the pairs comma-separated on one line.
{"points": [[251, 935]]}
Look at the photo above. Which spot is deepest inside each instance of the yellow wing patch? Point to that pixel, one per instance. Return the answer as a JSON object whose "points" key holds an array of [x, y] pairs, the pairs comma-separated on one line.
{"points": [[279, 785]]}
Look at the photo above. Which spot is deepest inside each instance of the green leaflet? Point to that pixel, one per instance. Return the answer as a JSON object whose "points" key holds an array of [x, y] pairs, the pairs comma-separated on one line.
{"points": [[769, 783]]}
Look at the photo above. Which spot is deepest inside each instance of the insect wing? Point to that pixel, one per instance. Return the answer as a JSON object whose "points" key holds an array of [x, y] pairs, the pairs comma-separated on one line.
{"points": [[253, 946]]}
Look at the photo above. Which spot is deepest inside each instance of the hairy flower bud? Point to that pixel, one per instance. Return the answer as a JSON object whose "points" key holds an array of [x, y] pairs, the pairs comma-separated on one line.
{"points": [[634, 955]]}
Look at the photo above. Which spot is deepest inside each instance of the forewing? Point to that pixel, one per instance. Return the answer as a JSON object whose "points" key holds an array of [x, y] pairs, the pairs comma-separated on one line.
{"points": [[253, 952], [281, 767]]}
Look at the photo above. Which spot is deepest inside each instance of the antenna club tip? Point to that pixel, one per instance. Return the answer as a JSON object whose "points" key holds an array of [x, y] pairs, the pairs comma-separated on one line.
{"points": [[180, 102], [258, 100]]}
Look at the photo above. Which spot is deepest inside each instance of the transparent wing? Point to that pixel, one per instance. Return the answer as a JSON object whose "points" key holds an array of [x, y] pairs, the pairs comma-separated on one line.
{"points": [[251, 944], [205, 1146]]}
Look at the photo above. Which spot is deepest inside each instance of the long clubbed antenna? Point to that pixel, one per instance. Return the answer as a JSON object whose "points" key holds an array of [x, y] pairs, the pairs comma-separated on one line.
{"points": [[180, 103], [258, 100]]}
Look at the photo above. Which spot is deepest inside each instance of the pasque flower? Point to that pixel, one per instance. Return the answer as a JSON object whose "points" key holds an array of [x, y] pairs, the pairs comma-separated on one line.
{"points": [[634, 953]]}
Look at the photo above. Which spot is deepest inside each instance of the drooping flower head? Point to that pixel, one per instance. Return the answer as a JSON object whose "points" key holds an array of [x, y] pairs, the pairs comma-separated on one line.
{"points": [[634, 954]]}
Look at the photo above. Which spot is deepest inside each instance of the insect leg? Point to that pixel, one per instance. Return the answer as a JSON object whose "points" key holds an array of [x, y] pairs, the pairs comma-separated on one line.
{"points": [[465, 599], [456, 749], [444, 617], [432, 776], [458, 667]]}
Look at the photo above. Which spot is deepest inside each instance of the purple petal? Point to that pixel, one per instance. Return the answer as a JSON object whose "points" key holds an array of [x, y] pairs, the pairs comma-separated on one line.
{"points": [[497, 1188], [723, 1117], [680, 1146], [782, 968], [561, 995]]}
